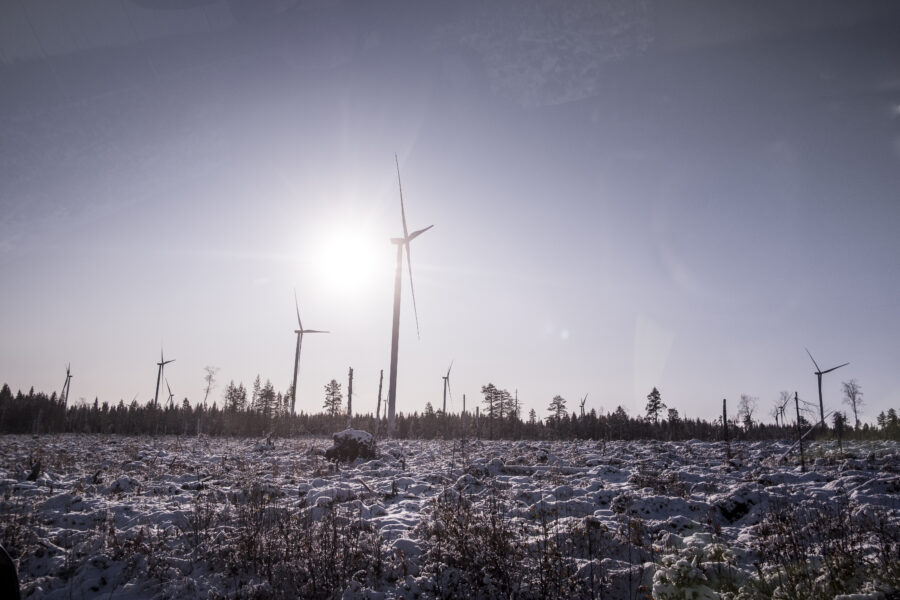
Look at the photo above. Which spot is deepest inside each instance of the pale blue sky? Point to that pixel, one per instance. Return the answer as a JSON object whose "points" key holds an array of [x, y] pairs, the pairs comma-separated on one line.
{"points": [[624, 195]]}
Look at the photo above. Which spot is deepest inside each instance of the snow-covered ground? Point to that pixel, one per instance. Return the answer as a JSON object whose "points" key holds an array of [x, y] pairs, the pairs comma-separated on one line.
{"points": [[124, 517]]}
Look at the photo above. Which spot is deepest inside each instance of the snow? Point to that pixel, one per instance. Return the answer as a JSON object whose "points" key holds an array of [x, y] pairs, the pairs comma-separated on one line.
{"points": [[120, 516]]}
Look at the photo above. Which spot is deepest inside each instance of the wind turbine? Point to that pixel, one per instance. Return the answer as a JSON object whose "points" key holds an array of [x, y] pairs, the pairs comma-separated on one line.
{"points": [[402, 242], [819, 372], [65, 390], [299, 333], [583, 400], [161, 364], [171, 395], [446, 379]]}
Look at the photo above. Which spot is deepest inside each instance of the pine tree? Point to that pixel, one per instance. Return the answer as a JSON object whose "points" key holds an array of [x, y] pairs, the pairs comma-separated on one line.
{"points": [[655, 405], [235, 397], [557, 408], [254, 399], [491, 399], [333, 398], [266, 400]]}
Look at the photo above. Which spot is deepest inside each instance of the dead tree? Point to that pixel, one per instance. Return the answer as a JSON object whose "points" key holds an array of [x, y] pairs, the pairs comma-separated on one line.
{"points": [[378, 406], [799, 433], [725, 428]]}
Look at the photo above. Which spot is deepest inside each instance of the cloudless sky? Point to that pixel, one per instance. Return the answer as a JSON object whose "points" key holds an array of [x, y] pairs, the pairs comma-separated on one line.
{"points": [[624, 195]]}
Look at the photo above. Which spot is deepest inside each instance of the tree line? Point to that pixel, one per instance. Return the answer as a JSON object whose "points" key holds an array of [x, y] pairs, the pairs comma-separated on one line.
{"points": [[263, 411]]}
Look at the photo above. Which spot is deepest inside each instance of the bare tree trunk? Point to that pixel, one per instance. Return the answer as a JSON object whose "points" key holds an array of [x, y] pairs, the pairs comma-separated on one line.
{"points": [[350, 398], [799, 433], [725, 428], [378, 406]]}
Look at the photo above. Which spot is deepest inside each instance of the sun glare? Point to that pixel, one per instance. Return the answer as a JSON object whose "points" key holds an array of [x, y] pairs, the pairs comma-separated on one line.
{"points": [[349, 259]]}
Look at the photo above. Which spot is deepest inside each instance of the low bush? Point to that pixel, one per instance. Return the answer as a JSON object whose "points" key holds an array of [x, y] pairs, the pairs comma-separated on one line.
{"points": [[821, 549]]}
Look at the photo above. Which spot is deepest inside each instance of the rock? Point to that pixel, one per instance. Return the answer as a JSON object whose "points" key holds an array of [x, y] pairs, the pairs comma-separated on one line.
{"points": [[351, 444]]}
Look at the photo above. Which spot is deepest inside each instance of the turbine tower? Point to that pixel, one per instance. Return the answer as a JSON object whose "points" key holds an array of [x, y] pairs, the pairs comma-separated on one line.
{"points": [[161, 364], [64, 396], [402, 242], [819, 372], [446, 379], [300, 331]]}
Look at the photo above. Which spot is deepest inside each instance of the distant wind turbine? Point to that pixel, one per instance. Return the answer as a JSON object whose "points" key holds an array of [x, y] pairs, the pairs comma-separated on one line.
{"points": [[299, 333], [161, 364], [65, 391], [819, 372], [583, 400], [446, 379], [171, 395], [401, 243]]}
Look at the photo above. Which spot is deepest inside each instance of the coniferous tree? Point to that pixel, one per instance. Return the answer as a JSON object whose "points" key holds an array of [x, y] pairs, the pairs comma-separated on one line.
{"points": [[655, 405], [491, 397], [235, 397], [557, 408], [254, 399], [333, 398], [266, 402]]}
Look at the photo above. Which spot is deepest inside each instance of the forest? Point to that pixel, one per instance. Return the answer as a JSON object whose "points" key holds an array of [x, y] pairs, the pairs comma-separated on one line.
{"points": [[267, 413]]}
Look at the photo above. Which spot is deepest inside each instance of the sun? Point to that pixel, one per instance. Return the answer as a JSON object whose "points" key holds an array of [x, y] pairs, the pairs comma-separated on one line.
{"points": [[349, 258]]}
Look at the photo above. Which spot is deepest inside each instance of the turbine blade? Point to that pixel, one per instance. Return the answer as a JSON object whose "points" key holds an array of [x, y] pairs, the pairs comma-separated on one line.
{"points": [[812, 359], [413, 290], [833, 368], [297, 306], [400, 185], [168, 387], [449, 392], [314, 331], [448, 370], [416, 234]]}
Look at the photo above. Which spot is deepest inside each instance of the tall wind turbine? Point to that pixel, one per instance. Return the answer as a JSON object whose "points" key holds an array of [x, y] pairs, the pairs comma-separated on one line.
{"points": [[161, 364], [300, 331], [64, 396], [401, 243], [446, 379], [819, 372]]}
